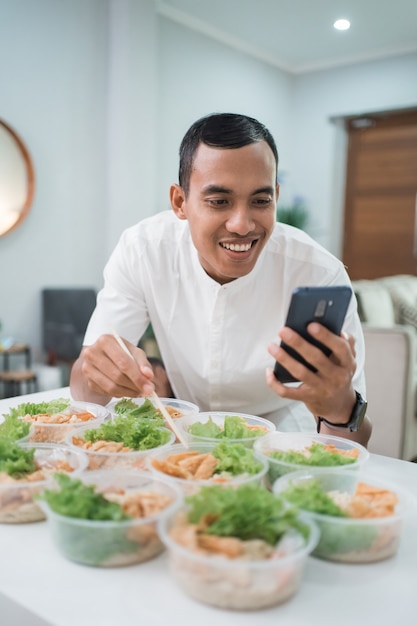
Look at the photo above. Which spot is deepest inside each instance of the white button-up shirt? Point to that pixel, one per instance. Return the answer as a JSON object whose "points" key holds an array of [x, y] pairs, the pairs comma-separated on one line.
{"points": [[213, 338]]}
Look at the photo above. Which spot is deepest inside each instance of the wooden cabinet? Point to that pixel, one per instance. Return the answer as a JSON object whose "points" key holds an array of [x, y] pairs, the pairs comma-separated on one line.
{"points": [[380, 236]]}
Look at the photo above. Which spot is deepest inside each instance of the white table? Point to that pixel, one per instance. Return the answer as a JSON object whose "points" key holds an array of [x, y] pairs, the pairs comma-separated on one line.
{"points": [[38, 587]]}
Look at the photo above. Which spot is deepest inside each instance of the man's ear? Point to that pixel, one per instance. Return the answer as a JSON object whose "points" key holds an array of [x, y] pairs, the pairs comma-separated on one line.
{"points": [[177, 198], [277, 191]]}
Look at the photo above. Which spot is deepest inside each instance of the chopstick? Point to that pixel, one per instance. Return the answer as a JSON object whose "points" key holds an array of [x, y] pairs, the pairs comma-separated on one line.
{"points": [[154, 396], [169, 419]]}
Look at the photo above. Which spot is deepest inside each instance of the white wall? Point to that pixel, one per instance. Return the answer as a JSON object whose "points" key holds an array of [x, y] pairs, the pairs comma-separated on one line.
{"points": [[53, 76], [319, 147], [102, 92], [197, 76], [132, 115]]}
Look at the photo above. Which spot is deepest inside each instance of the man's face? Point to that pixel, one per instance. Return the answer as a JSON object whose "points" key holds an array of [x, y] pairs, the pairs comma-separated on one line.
{"points": [[230, 207]]}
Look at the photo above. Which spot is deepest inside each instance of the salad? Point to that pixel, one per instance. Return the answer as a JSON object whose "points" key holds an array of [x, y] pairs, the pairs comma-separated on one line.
{"points": [[46, 422], [219, 463], [318, 454], [23, 473], [16, 424], [366, 502], [240, 548], [248, 513], [234, 427], [358, 525], [314, 455], [123, 436], [13, 427], [145, 411], [110, 525], [127, 433]]}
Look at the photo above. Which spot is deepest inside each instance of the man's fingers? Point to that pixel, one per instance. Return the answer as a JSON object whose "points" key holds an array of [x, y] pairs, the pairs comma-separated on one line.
{"points": [[110, 370]]}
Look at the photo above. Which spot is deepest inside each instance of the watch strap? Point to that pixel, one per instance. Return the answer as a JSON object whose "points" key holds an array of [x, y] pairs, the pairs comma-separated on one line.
{"points": [[355, 420]]}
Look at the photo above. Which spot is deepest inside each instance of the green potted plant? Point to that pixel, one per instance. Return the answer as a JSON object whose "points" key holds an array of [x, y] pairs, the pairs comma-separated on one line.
{"points": [[295, 214]]}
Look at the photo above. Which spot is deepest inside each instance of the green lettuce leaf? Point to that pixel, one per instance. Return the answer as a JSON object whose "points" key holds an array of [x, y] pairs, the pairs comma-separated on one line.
{"points": [[234, 428], [85, 544], [311, 496], [235, 459], [334, 538], [15, 460], [209, 429], [146, 411], [75, 499], [133, 433], [246, 512], [14, 428], [318, 455], [30, 408]]}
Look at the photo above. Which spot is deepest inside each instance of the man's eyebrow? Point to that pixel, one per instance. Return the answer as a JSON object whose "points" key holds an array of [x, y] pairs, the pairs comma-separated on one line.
{"points": [[268, 190], [218, 189]]}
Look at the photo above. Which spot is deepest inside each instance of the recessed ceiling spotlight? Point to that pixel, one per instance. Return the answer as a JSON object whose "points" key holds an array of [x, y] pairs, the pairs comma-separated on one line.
{"points": [[342, 24]]}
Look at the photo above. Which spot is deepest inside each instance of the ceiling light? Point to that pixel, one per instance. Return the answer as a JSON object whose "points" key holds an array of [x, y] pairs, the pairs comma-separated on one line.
{"points": [[342, 24]]}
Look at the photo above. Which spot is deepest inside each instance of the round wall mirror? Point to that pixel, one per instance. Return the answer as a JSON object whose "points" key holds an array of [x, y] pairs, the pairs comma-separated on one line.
{"points": [[17, 181]]}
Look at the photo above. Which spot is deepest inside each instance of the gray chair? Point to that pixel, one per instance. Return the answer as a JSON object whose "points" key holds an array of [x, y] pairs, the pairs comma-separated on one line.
{"points": [[390, 369], [65, 315]]}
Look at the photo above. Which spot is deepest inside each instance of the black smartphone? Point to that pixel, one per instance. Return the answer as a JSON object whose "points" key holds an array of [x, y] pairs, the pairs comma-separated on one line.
{"points": [[325, 305]]}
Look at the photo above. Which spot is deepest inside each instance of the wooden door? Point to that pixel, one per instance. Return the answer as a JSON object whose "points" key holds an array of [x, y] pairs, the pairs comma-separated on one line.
{"points": [[380, 236]]}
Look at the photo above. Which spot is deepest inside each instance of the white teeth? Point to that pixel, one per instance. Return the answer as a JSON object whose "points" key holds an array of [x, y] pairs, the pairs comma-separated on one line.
{"points": [[235, 247]]}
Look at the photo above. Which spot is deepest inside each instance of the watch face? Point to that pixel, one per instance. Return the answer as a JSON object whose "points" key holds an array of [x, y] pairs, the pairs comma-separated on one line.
{"points": [[358, 414]]}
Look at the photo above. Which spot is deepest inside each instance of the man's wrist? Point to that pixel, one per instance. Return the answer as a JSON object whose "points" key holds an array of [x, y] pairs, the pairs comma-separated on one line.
{"points": [[355, 420]]}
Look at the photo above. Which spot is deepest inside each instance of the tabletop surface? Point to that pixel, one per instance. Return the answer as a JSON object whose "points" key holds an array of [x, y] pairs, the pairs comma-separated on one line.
{"points": [[14, 348], [38, 587]]}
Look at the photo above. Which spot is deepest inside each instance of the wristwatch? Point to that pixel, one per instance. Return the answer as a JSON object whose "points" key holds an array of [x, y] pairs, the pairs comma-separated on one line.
{"points": [[356, 417]]}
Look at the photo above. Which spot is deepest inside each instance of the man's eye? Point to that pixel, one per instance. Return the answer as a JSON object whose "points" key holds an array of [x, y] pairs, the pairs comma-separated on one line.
{"points": [[218, 202], [262, 201]]}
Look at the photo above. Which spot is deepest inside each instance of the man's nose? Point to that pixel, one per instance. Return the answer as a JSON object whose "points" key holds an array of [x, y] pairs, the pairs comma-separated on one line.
{"points": [[240, 220]]}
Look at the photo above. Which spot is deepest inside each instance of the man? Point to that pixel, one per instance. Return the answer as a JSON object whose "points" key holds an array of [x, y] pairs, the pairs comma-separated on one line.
{"points": [[215, 277]]}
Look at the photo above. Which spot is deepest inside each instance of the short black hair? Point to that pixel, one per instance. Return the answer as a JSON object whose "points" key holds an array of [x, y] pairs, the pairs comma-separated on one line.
{"points": [[220, 130]]}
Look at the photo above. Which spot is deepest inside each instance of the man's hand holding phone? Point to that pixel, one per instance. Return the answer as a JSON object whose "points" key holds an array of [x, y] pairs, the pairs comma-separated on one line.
{"points": [[325, 305], [315, 352], [328, 391]]}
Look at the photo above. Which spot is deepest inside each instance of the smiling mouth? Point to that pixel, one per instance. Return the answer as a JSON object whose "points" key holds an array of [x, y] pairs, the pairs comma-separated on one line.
{"points": [[237, 247]]}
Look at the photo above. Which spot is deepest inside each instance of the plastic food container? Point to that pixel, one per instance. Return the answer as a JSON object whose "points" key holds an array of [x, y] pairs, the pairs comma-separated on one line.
{"points": [[111, 543], [353, 539], [108, 460], [56, 432], [176, 408], [301, 442], [16, 497], [192, 485], [256, 423], [238, 584]]}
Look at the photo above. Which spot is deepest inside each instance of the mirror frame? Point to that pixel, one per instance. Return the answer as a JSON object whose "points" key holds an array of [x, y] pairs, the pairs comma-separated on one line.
{"points": [[30, 174]]}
